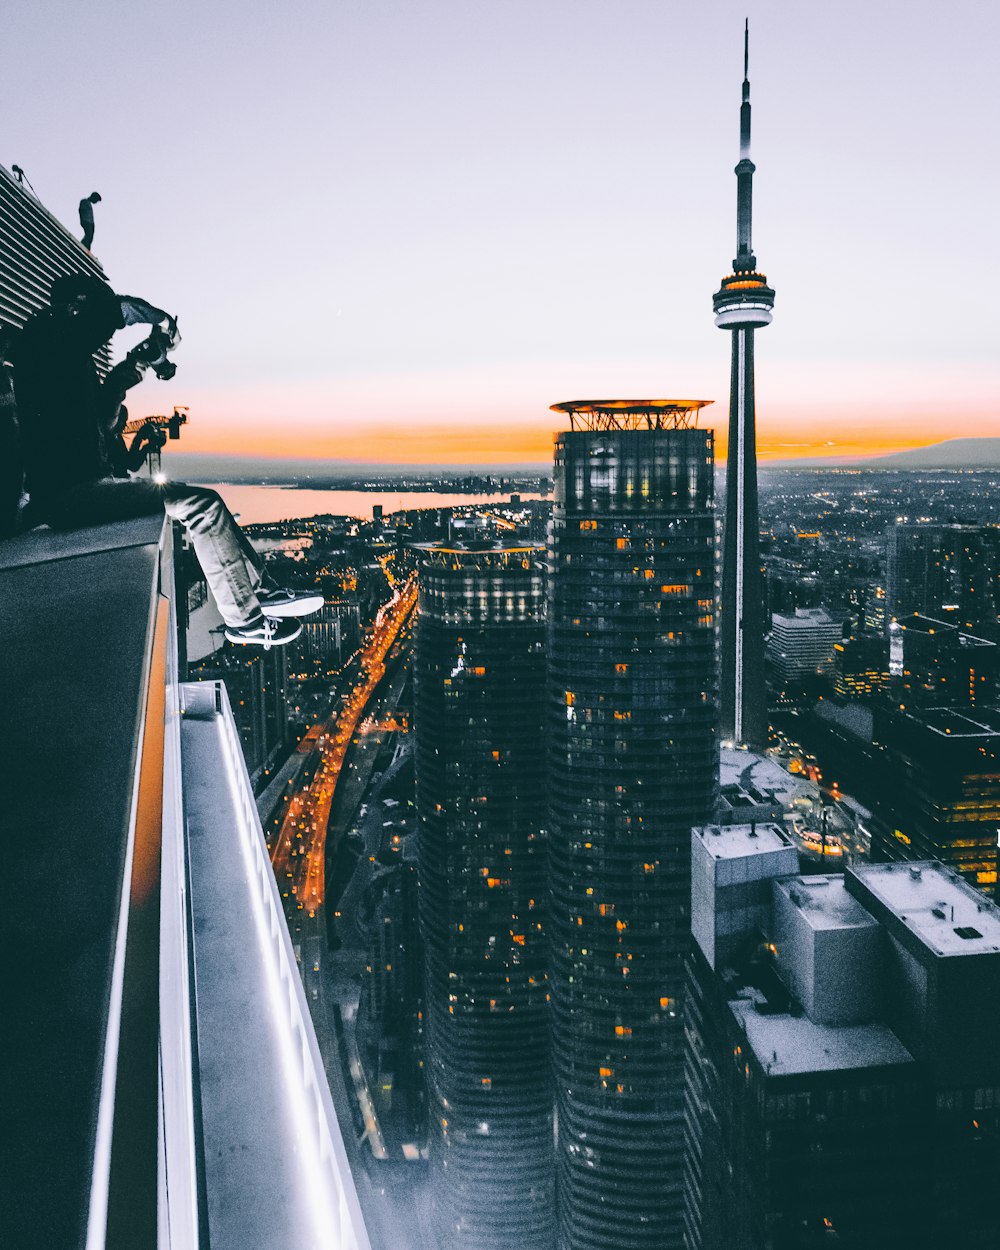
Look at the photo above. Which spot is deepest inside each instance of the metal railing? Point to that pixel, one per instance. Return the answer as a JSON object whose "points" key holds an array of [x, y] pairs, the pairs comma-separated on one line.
{"points": [[327, 1183]]}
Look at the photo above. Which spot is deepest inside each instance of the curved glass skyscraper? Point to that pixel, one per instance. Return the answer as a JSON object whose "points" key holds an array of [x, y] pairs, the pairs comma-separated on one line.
{"points": [[633, 764], [479, 693]]}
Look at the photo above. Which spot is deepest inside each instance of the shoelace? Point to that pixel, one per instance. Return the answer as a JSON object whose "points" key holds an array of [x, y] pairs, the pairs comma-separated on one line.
{"points": [[268, 633]]}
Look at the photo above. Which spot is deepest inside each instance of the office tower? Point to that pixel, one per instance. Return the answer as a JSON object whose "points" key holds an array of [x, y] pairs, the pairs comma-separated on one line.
{"points": [[938, 789], [479, 687], [391, 1010], [842, 1074], [329, 636], [860, 665], [633, 764], [801, 644], [742, 305], [939, 665], [950, 571], [874, 612]]}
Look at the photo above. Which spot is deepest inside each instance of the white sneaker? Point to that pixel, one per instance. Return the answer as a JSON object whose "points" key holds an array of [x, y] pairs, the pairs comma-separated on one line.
{"points": [[268, 632], [280, 602]]}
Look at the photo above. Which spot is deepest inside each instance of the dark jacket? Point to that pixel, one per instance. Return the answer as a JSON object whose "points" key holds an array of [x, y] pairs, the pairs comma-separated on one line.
{"points": [[65, 410]]}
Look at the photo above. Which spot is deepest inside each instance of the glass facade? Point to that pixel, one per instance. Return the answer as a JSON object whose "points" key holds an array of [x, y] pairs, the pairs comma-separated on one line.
{"points": [[939, 794], [478, 709], [633, 764]]}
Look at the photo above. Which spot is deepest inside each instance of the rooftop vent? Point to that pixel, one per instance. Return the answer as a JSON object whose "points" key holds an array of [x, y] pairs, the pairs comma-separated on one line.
{"points": [[967, 932], [915, 873]]}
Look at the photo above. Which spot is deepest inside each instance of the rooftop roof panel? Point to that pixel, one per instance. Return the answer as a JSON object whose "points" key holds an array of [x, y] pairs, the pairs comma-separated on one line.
{"points": [[949, 916], [787, 1045], [825, 903], [736, 841]]}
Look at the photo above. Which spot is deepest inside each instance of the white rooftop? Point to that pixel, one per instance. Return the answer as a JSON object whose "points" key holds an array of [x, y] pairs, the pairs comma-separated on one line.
{"points": [[825, 903], [804, 618], [787, 1045], [745, 768], [737, 841], [946, 914]]}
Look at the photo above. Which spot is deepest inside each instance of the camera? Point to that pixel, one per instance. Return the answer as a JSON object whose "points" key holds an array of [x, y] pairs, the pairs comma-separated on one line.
{"points": [[152, 351]]}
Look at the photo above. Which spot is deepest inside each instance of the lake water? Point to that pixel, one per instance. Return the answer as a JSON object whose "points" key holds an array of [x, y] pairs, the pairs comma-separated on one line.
{"points": [[258, 505]]}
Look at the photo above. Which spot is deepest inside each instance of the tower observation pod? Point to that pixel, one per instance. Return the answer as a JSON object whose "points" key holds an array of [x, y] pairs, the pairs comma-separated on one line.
{"points": [[743, 304]]}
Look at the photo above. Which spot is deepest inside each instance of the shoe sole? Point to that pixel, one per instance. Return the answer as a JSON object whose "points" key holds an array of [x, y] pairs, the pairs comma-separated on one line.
{"points": [[300, 607], [262, 642]]}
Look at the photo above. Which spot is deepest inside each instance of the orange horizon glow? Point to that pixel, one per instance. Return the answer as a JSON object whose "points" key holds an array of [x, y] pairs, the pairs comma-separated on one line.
{"points": [[476, 419], [391, 443]]}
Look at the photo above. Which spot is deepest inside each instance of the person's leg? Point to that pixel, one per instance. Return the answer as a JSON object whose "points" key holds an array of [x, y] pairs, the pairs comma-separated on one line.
{"points": [[88, 236], [231, 566]]}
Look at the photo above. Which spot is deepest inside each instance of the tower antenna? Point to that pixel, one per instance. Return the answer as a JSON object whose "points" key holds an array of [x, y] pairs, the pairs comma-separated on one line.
{"points": [[743, 305], [746, 52]]}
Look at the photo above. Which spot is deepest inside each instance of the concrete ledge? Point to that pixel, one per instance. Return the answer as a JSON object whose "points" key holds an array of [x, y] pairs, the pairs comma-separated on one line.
{"points": [[76, 615]]}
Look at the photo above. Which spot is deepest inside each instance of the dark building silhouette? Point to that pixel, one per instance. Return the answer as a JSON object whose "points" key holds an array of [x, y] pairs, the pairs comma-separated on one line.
{"points": [[742, 305], [842, 1074], [936, 664], [861, 665], [390, 1015], [479, 685], [938, 792], [633, 764], [329, 637], [945, 571]]}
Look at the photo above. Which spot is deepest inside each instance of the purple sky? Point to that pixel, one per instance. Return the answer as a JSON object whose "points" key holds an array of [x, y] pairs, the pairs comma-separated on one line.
{"points": [[387, 225]]}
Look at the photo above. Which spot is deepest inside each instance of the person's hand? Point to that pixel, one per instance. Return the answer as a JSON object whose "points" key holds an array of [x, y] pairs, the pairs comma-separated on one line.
{"points": [[151, 433]]}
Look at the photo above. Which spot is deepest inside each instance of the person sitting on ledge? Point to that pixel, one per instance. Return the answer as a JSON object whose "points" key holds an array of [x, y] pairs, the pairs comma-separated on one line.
{"points": [[71, 448]]}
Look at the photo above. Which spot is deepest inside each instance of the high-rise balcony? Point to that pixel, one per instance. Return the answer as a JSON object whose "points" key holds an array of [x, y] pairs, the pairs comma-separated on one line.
{"points": [[161, 1082]]}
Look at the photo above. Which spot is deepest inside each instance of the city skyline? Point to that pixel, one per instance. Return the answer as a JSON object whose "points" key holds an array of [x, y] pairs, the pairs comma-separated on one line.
{"points": [[554, 857], [381, 253]]}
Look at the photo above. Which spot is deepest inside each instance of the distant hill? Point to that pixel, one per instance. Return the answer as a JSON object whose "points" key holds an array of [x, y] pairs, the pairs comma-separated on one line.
{"points": [[955, 453]]}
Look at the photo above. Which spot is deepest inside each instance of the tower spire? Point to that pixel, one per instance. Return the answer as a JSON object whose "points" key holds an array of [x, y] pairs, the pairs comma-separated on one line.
{"points": [[744, 170], [743, 304]]}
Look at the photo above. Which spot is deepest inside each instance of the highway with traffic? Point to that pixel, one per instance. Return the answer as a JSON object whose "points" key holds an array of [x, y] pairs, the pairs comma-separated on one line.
{"points": [[298, 850]]}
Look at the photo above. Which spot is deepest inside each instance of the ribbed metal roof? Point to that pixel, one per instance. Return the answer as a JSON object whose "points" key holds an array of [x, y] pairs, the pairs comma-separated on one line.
{"points": [[34, 248]]}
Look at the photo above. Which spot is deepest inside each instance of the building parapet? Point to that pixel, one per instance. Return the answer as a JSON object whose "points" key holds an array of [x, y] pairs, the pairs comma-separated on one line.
{"points": [[161, 1076]]}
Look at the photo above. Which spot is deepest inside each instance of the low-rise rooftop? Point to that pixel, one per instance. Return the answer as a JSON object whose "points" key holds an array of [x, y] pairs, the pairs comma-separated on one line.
{"points": [[949, 722], [787, 1045], [945, 913], [804, 618], [825, 903], [737, 841]]}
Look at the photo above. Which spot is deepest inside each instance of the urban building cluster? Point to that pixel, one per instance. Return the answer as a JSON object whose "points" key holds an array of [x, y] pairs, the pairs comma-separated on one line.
{"points": [[639, 885]]}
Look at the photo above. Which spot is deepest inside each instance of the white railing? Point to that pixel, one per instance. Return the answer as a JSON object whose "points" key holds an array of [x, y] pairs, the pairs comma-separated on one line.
{"points": [[327, 1184]]}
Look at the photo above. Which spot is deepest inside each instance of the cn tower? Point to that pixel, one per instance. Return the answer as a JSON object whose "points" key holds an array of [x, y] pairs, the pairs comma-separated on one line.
{"points": [[742, 304]]}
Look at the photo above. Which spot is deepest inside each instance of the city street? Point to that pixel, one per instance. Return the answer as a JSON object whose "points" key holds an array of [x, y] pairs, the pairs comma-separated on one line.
{"points": [[298, 851], [346, 757]]}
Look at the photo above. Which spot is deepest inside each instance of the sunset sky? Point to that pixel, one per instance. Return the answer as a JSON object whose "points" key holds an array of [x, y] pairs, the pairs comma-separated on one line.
{"points": [[397, 232]]}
